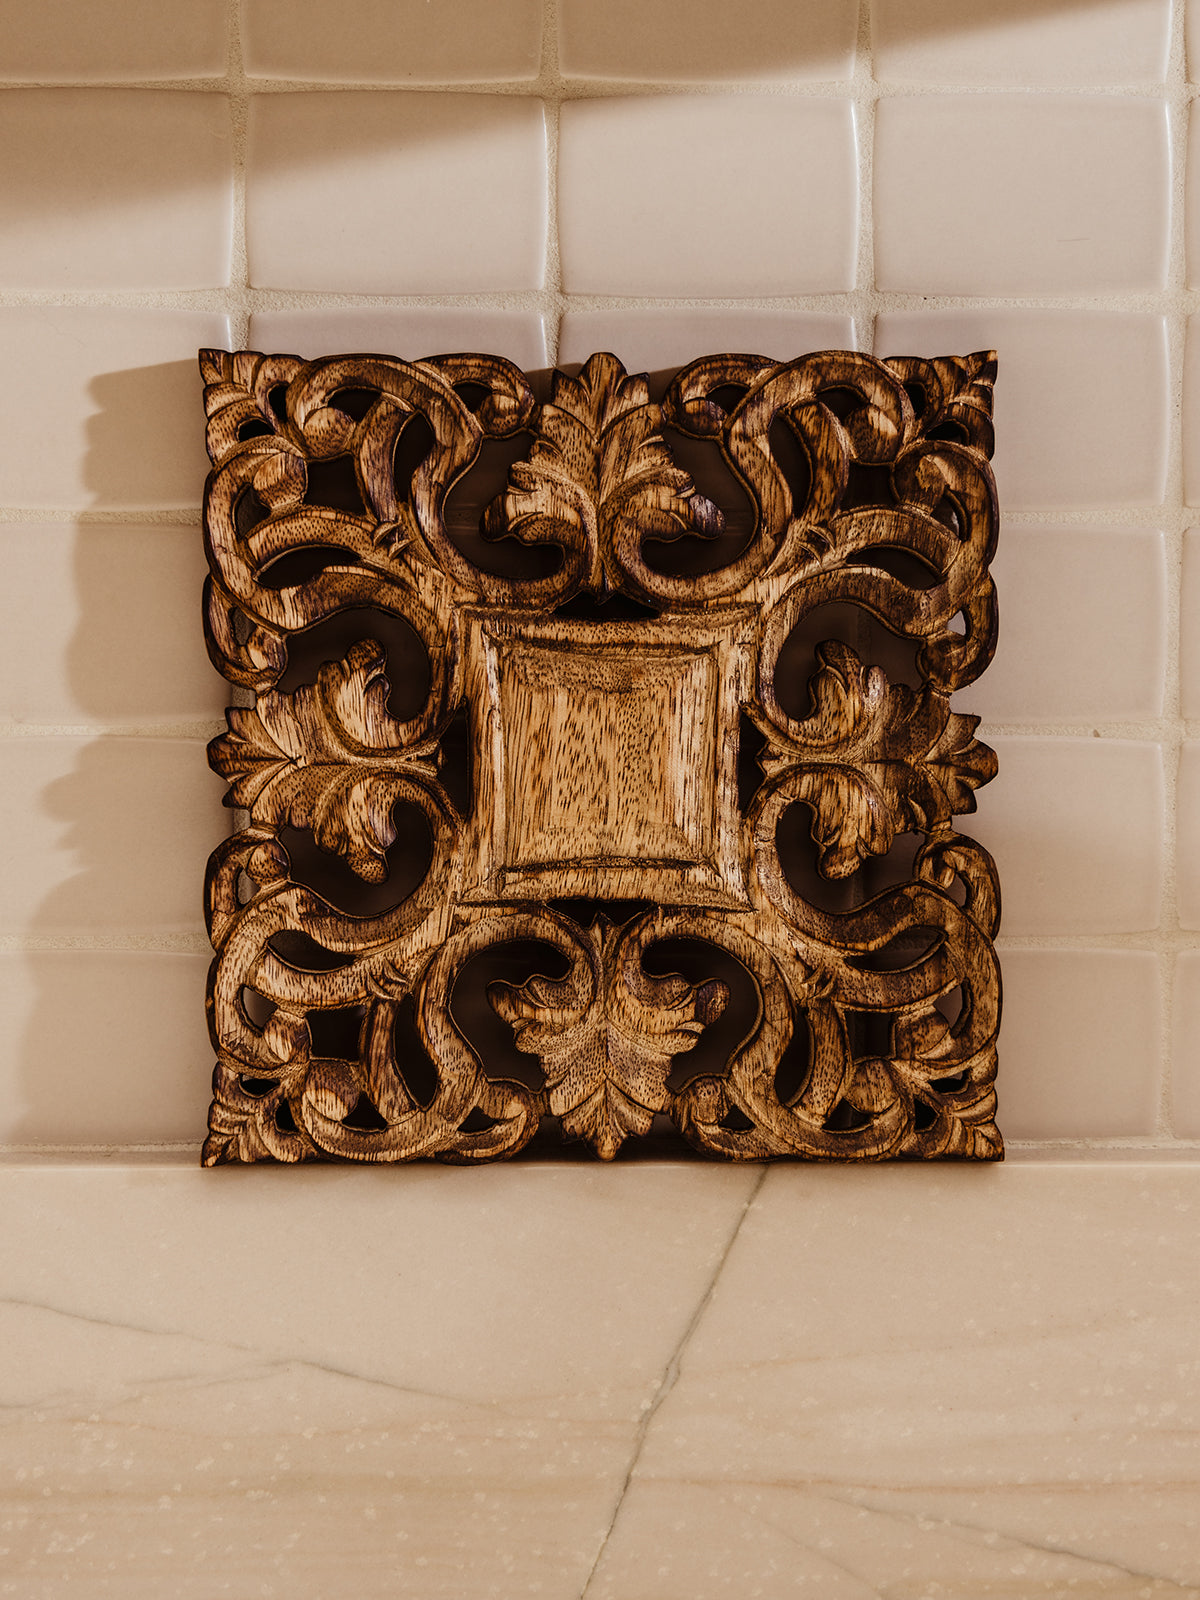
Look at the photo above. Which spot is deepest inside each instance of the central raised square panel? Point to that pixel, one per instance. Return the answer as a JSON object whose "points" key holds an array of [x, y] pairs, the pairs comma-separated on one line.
{"points": [[605, 759], [609, 758]]}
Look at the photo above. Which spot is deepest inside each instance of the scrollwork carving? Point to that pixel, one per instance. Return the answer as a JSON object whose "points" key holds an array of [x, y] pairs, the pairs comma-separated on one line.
{"points": [[605, 761]]}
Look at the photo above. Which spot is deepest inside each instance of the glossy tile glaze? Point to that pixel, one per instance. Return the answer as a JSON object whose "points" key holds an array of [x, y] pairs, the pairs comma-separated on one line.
{"points": [[335, 183], [656, 340], [104, 414], [694, 41], [706, 231], [137, 39], [1082, 411], [1015, 44], [345, 1381], [1057, 808], [68, 652], [1076, 197], [1080, 1054], [101, 836], [115, 189], [392, 41], [1103, 656], [410, 332], [59, 1006]]}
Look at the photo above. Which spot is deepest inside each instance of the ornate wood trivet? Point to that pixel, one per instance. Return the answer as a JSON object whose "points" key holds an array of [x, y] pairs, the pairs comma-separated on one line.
{"points": [[566, 792]]}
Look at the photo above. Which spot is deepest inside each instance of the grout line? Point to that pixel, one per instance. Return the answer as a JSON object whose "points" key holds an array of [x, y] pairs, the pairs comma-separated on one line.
{"points": [[551, 88], [1152, 941], [123, 942], [193, 730], [238, 302], [174, 518], [577, 87], [241, 296], [1155, 729], [865, 94], [219, 298]]}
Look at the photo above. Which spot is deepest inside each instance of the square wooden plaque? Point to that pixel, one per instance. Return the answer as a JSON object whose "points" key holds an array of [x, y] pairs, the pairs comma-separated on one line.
{"points": [[547, 823]]}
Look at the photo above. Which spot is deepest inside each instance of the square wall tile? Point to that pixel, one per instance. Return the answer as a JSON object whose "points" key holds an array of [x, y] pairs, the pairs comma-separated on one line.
{"points": [[1073, 194], [1189, 625], [1185, 1063], [79, 40], [1082, 627], [1187, 807], [108, 412], [658, 341], [658, 195], [392, 41], [699, 41], [1076, 828], [1079, 1044], [102, 624], [1017, 44], [408, 332], [1082, 402], [103, 1047], [377, 193], [114, 189], [106, 835]]}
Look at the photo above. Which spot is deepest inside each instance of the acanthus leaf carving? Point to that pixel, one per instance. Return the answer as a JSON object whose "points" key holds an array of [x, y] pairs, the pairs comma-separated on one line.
{"points": [[328, 758], [600, 476], [875, 759], [606, 1035]]}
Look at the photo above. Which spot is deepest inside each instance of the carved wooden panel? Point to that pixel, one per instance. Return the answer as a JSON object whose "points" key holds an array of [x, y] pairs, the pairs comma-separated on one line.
{"points": [[559, 739]]}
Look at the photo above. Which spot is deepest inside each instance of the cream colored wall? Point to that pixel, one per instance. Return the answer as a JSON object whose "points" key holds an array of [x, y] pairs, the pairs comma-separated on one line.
{"points": [[662, 179], [648, 1380]]}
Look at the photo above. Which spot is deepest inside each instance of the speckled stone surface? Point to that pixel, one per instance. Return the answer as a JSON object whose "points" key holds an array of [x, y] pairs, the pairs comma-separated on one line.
{"points": [[647, 1381]]}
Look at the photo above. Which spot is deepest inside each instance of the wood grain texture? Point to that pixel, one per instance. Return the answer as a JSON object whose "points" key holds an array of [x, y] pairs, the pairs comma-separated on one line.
{"points": [[634, 745]]}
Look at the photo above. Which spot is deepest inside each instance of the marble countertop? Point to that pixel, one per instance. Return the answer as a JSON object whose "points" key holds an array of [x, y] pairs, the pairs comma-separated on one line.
{"points": [[647, 1381]]}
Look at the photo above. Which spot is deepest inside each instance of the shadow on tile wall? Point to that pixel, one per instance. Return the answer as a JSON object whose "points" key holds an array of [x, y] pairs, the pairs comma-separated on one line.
{"points": [[145, 437], [115, 1047]]}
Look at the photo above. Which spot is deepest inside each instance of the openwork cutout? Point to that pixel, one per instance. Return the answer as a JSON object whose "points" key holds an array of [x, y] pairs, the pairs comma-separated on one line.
{"points": [[521, 778]]}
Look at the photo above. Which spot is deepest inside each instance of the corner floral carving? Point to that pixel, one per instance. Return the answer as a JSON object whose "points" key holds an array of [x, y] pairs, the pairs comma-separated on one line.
{"points": [[603, 760]]}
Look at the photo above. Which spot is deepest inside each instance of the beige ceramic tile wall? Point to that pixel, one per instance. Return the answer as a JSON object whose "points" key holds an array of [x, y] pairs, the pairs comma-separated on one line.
{"points": [[659, 177]]}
